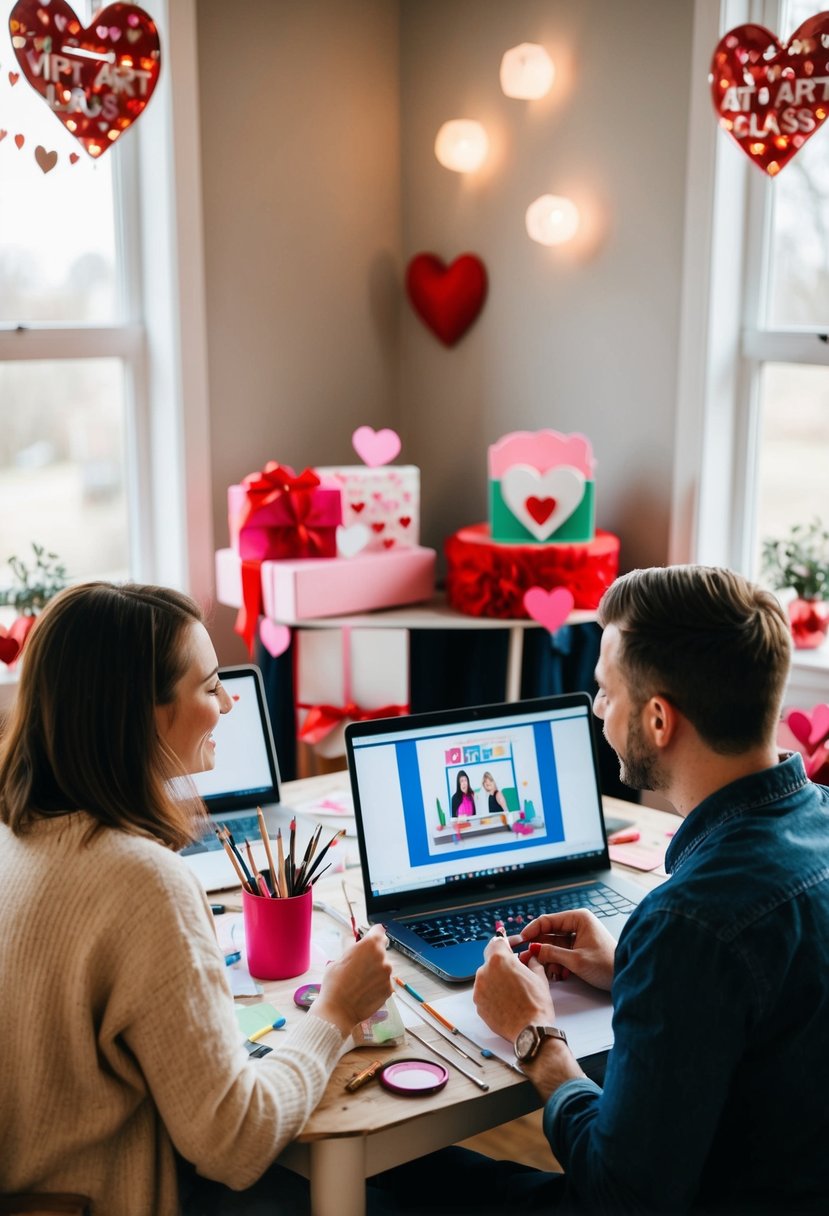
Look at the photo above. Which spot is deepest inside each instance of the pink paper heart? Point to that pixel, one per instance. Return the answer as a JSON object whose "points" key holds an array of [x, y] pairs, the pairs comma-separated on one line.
{"points": [[800, 725], [375, 447], [815, 762], [550, 608], [275, 638], [820, 725]]}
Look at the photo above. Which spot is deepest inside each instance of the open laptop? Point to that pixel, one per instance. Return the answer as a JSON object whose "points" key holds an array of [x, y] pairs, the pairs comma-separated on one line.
{"points": [[439, 867], [245, 776]]}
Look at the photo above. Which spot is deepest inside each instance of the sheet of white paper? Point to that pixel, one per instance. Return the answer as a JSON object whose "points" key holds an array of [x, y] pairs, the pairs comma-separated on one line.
{"points": [[582, 1012]]}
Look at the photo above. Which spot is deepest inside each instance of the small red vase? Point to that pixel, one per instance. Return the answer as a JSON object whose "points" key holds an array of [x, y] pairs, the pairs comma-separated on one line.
{"points": [[810, 622]]}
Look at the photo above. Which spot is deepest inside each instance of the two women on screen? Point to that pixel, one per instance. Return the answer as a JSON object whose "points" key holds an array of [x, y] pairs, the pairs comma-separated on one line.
{"points": [[491, 800]]}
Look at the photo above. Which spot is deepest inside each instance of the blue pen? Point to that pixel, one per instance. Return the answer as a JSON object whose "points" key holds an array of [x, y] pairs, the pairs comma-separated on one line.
{"points": [[230, 959]]}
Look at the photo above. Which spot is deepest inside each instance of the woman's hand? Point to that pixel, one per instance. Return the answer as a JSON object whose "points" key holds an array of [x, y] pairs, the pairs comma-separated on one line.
{"points": [[589, 954], [357, 984]]}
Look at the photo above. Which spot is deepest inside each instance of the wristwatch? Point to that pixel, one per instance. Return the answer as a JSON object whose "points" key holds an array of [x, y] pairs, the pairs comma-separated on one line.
{"points": [[529, 1040]]}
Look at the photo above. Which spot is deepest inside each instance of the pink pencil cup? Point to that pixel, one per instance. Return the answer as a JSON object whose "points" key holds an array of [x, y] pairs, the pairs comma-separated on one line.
{"points": [[277, 935]]}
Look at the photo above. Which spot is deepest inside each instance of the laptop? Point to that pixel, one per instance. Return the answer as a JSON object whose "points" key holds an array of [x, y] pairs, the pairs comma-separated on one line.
{"points": [[443, 858], [245, 776]]}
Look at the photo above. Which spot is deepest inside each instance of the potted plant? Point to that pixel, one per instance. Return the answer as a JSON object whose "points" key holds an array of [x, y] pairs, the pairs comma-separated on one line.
{"points": [[33, 586], [800, 561]]}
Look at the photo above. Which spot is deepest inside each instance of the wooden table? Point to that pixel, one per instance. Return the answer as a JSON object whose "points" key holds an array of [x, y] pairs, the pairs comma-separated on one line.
{"points": [[349, 1137]]}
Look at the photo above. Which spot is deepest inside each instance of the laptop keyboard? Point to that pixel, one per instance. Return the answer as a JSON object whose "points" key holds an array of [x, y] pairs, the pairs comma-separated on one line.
{"points": [[478, 924], [246, 827]]}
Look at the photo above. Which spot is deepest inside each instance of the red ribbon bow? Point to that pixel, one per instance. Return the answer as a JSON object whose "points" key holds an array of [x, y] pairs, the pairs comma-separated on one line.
{"points": [[270, 483], [321, 719]]}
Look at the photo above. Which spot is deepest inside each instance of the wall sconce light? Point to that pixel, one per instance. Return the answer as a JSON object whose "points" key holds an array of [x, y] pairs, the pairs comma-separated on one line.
{"points": [[527, 72], [461, 145], [552, 220]]}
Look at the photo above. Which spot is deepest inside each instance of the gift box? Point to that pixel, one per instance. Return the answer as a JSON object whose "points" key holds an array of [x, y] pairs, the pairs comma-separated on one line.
{"points": [[293, 591], [348, 675], [381, 505], [276, 514], [541, 488]]}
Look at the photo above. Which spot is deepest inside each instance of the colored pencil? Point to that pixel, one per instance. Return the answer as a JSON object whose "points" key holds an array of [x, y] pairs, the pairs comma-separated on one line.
{"points": [[232, 856], [283, 889], [228, 836], [263, 832]]}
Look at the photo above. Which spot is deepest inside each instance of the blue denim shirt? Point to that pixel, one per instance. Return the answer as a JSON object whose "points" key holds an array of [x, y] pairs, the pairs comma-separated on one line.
{"points": [[716, 1096]]}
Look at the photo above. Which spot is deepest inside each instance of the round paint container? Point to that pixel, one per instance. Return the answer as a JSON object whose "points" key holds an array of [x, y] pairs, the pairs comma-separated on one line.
{"points": [[305, 996], [413, 1078]]}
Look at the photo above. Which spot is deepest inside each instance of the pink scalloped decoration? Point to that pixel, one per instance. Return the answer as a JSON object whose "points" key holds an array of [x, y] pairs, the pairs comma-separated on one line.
{"points": [[541, 450]]}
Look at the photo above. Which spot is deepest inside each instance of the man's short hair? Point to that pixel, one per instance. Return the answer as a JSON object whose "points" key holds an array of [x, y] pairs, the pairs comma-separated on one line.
{"points": [[715, 645]]}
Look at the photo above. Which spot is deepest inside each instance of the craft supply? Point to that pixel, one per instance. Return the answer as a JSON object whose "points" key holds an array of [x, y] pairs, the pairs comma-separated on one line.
{"points": [[260, 885], [226, 836], [310, 849], [263, 832], [411, 991], [447, 1038], [362, 1078], [263, 1030], [277, 935], [383, 1029], [629, 836], [217, 909], [475, 1080], [337, 836], [232, 958], [253, 1017], [231, 854], [305, 996], [291, 867], [283, 889], [357, 934], [425, 1005], [412, 1078]]}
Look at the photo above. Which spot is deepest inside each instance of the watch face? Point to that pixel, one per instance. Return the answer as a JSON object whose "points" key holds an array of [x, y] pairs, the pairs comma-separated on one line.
{"points": [[525, 1043]]}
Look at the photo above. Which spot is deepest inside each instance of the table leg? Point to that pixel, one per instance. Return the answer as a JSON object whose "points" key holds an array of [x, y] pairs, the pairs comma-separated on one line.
{"points": [[514, 656], [338, 1177]]}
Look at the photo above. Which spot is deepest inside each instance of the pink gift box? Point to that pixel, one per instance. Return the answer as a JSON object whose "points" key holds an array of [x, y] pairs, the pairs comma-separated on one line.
{"points": [[294, 591], [254, 539], [385, 501]]}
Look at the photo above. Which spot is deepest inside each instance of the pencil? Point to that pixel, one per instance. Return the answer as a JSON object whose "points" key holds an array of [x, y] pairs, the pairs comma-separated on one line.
{"points": [[291, 864], [259, 881], [232, 856], [354, 929], [228, 836], [283, 889], [263, 832]]}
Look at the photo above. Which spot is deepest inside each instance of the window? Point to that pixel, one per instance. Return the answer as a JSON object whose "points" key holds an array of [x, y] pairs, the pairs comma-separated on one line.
{"points": [[752, 445], [104, 421]]}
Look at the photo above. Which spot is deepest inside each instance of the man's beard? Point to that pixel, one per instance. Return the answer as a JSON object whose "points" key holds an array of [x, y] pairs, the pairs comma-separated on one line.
{"points": [[639, 767]]}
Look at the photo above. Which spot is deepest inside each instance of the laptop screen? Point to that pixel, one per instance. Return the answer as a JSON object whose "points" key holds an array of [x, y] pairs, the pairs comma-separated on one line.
{"points": [[245, 772], [464, 797]]}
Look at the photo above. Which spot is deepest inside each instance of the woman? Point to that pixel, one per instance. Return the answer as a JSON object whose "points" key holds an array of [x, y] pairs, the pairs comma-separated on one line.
{"points": [[122, 1065], [463, 800], [496, 802]]}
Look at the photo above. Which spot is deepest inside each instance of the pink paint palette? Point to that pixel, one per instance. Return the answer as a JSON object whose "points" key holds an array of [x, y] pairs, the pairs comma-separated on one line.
{"points": [[413, 1078]]}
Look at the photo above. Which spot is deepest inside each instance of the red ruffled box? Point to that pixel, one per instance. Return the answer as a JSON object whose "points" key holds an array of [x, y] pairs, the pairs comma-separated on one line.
{"points": [[487, 578]]}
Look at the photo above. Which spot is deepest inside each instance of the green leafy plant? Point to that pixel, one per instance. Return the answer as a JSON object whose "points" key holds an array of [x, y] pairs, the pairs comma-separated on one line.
{"points": [[800, 560], [36, 583]]}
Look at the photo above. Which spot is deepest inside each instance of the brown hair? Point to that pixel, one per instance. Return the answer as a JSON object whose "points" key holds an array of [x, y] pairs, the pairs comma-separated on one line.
{"points": [[715, 645], [82, 734]]}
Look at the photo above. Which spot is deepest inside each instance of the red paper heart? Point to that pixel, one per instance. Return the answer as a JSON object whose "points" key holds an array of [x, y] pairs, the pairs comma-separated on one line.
{"points": [[772, 98], [540, 508], [95, 83], [9, 649], [447, 298]]}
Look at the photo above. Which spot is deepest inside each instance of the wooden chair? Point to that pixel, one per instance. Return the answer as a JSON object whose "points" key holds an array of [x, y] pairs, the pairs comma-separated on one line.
{"points": [[33, 1203]]}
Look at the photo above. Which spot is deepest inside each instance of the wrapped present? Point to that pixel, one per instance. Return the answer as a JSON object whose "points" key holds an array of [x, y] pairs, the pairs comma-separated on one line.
{"points": [[294, 591], [541, 488], [348, 675], [381, 506], [276, 514]]}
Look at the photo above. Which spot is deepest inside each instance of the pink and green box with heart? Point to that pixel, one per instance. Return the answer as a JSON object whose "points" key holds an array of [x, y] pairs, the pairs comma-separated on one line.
{"points": [[541, 488]]}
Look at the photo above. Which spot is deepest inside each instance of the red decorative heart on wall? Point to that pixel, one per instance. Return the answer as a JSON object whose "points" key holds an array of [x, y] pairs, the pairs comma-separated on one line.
{"points": [[96, 80], [772, 98], [447, 298]]}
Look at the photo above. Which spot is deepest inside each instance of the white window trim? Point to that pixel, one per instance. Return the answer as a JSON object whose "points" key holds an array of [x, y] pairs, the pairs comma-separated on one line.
{"points": [[715, 439]]}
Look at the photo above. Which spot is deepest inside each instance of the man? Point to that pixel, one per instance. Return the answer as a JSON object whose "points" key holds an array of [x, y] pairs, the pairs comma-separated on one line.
{"points": [[715, 1095]]}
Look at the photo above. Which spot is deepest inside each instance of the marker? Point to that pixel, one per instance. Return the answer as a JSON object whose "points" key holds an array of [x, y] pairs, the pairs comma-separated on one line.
{"points": [[623, 838], [230, 959], [217, 909], [263, 1030]]}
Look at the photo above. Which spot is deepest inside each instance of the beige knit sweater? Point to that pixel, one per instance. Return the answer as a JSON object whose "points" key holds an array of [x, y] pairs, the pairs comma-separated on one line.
{"points": [[118, 1040]]}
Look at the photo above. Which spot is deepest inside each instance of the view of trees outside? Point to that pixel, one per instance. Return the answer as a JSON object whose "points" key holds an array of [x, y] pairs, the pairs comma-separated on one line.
{"points": [[61, 421]]}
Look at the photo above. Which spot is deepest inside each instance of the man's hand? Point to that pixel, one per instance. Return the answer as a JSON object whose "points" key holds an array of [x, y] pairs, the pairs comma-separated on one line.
{"points": [[589, 954], [508, 995]]}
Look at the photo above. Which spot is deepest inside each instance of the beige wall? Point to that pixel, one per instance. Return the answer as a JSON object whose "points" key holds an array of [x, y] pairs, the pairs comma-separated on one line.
{"points": [[318, 122]]}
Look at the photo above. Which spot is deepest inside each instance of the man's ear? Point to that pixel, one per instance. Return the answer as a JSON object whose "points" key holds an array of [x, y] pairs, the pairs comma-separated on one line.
{"points": [[660, 719]]}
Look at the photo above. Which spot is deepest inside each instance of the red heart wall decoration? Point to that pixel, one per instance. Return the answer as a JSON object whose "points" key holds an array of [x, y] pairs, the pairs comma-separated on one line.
{"points": [[771, 98], [447, 298], [98, 79]]}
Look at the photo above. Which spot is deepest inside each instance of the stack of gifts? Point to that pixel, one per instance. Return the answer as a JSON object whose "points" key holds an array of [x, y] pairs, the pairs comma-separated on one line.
{"points": [[323, 542]]}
